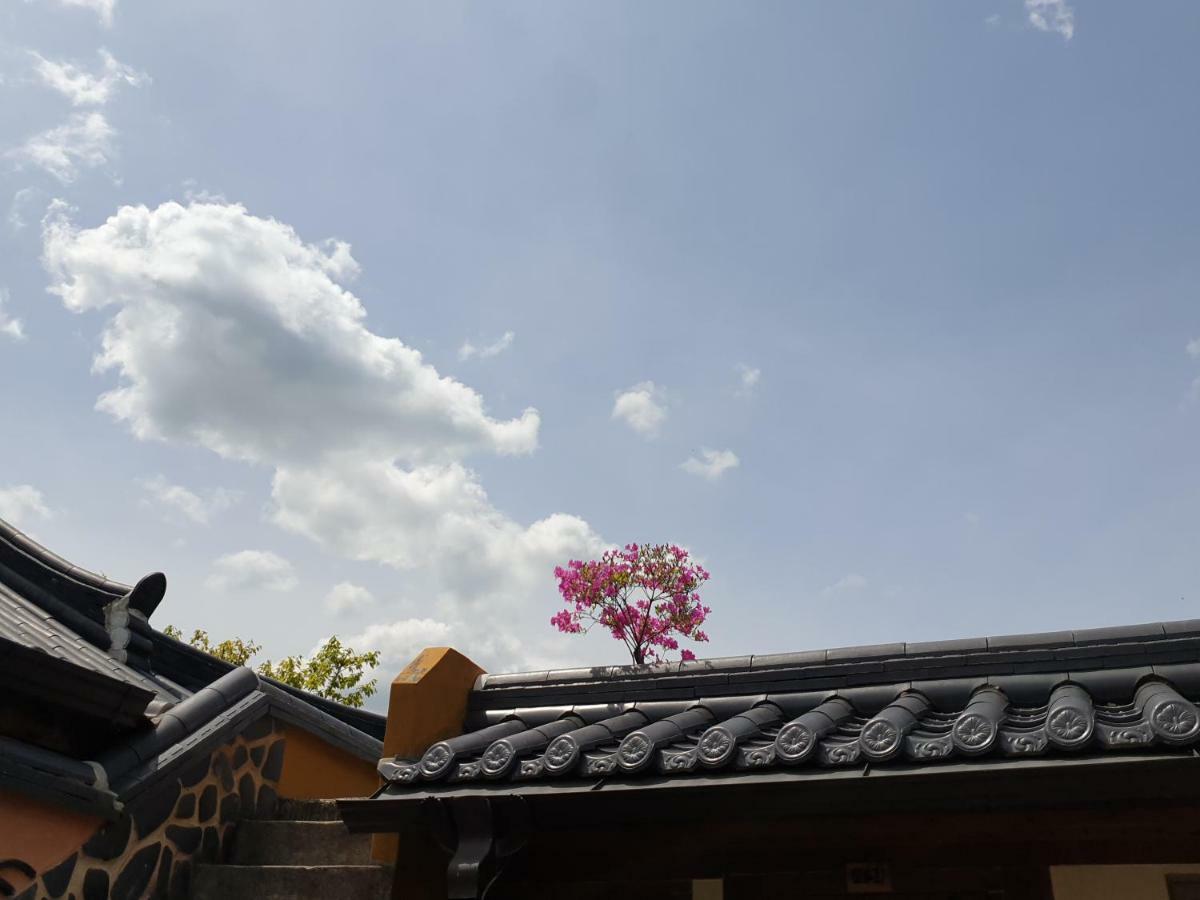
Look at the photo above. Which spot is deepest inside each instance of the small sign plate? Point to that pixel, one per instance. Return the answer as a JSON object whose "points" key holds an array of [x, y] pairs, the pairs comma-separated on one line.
{"points": [[868, 878]]}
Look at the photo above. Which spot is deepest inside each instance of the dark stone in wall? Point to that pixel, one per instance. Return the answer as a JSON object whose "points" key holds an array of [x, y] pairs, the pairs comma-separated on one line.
{"points": [[187, 807], [164, 874], [56, 880], [181, 881], [185, 838], [151, 810], [95, 885], [109, 841], [257, 755], [30, 893], [208, 803], [211, 845], [223, 772], [246, 792], [135, 877], [259, 729], [231, 805], [266, 802], [239, 757], [273, 767], [194, 773]]}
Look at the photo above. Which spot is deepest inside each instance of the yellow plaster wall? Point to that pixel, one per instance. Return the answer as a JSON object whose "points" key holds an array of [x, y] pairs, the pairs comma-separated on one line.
{"points": [[39, 833], [312, 770], [1115, 882]]}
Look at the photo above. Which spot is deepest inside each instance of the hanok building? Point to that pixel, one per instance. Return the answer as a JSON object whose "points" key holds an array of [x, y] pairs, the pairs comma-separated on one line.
{"points": [[1037, 766], [133, 765]]}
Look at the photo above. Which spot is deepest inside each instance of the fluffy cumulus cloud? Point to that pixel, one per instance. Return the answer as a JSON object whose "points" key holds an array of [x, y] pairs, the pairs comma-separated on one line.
{"points": [[82, 87], [643, 408], [22, 503], [84, 141], [9, 327], [469, 350], [251, 570], [347, 597], [711, 464], [228, 331], [1053, 16], [175, 500]]}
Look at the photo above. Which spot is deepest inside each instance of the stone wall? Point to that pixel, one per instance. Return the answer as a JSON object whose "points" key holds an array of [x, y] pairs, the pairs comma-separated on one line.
{"points": [[150, 850]]}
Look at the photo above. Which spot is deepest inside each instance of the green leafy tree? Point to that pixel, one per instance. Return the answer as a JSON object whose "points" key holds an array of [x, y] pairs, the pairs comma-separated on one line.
{"points": [[334, 671], [234, 650]]}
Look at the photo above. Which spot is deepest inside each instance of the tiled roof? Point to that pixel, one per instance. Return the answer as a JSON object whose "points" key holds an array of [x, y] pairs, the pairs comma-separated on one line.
{"points": [[1067, 693], [52, 605], [165, 701], [25, 623], [47, 604]]}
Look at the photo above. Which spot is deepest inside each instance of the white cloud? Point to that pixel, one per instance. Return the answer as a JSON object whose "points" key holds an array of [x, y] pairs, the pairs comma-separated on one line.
{"points": [[21, 503], [176, 499], [251, 570], [82, 87], [84, 141], [748, 379], [347, 597], [436, 519], [468, 350], [972, 519], [104, 9], [1052, 15], [399, 642], [711, 464], [228, 332], [643, 408], [851, 582], [231, 333], [1193, 348], [993, 20], [9, 327]]}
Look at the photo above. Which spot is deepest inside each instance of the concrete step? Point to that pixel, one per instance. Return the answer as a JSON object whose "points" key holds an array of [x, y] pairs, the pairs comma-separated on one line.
{"points": [[306, 810], [211, 882], [265, 842]]}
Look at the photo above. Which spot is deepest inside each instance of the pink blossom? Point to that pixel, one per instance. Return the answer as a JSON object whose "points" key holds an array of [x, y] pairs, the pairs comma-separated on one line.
{"points": [[643, 595]]}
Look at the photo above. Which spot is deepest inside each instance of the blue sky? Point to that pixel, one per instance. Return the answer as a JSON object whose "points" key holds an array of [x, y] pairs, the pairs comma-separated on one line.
{"points": [[911, 285]]}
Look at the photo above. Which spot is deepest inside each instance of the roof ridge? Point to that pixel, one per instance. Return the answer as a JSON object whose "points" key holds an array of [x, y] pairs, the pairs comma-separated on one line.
{"points": [[59, 566], [972, 646]]}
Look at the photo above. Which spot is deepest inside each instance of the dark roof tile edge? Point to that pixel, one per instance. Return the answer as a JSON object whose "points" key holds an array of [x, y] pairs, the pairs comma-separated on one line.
{"points": [[203, 740], [61, 790]]}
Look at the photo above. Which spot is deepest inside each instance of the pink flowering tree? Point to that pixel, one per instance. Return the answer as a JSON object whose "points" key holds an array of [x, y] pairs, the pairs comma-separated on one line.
{"points": [[647, 597]]}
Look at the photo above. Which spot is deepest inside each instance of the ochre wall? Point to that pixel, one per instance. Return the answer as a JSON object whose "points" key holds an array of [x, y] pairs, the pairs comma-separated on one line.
{"points": [[312, 769], [184, 819], [1115, 882], [39, 833]]}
